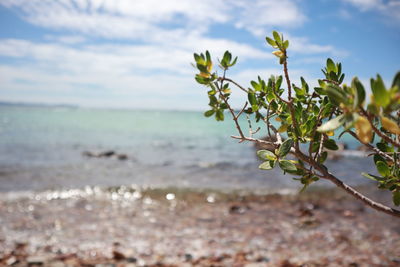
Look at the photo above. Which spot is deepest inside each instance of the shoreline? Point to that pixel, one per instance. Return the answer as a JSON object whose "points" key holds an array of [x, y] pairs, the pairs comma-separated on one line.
{"points": [[188, 228]]}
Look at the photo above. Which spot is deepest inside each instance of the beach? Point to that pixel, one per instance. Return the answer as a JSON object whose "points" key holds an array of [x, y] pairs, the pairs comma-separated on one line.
{"points": [[174, 227]]}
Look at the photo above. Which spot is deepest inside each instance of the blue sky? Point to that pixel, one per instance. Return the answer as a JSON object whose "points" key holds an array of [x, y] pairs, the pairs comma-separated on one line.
{"points": [[137, 54]]}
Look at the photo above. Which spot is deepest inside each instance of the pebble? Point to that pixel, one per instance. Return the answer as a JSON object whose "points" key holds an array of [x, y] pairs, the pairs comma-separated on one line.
{"points": [[11, 261], [35, 260]]}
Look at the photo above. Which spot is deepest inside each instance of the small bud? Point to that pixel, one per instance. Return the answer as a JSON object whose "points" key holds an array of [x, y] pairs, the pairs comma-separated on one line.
{"points": [[330, 133]]}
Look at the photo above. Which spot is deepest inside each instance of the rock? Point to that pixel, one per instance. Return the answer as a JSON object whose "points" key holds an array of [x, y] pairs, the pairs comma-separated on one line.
{"points": [[57, 264], [36, 261], [259, 146], [238, 209], [11, 261], [88, 154], [122, 156], [254, 264], [106, 154], [118, 255]]}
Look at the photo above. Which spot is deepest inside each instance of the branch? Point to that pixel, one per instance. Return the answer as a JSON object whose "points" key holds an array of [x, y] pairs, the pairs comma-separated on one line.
{"points": [[290, 102], [377, 151], [325, 174], [328, 176], [235, 83], [235, 118]]}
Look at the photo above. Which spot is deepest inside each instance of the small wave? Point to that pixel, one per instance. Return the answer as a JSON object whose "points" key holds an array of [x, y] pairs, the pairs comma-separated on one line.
{"points": [[134, 192]]}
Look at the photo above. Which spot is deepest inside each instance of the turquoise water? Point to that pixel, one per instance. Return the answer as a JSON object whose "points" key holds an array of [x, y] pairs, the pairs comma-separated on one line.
{"points": [[41, 148]]}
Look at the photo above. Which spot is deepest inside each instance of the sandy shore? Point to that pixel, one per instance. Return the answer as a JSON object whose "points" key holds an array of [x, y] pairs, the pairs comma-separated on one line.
{"points": [[124, 227]]}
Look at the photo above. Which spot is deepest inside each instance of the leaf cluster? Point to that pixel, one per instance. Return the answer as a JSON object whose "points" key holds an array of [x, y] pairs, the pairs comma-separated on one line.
{"points": [[312, 118]]}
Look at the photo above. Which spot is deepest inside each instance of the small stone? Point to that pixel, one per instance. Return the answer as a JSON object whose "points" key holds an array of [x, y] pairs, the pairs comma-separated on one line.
{"points": [[118, 255], [11, 261], [188, 257], [35, 260], [131, 259], [254, 264], [122, 156], [107, 154], [57, 264]]}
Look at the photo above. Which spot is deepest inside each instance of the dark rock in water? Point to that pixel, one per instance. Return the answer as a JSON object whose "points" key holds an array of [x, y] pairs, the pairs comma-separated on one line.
{"points": [[88, 154], [106, 154], [122, 156], [259, 146]]}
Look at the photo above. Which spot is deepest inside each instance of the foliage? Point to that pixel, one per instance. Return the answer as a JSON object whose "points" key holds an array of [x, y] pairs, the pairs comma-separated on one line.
{"points": [[309, 118]]}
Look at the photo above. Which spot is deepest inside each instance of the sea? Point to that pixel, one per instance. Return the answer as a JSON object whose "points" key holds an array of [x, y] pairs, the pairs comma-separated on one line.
{"points": [[47, 147]]}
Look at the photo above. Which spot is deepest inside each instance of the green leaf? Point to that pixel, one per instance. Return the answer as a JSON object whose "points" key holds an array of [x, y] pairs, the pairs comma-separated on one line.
{"points": [[372, 177], [252, 98], [278, 82], [265, 165], [287, 166], [208, 56], [304, 84], [255, 85], [330, 66], [396, 198], [266, 155], [359, 92], [333, 124], [330, 144], [209, 113], [277, 37], [383, 168], [396, 81], [285, 147], [271, 42], [233, 62], [381, 96], [323, 157], [219, 115], [335, 94], [286, 44]]}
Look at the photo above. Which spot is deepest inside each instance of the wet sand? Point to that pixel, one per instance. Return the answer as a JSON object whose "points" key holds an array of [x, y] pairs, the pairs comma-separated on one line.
{"points": [[125, 227]]}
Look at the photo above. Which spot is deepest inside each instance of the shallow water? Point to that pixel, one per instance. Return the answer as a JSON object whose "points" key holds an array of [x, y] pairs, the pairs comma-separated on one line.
{"points": [[41, 148]]}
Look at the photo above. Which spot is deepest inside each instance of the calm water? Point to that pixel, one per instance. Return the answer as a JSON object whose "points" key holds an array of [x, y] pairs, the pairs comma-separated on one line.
{"points": [[41, 148]]}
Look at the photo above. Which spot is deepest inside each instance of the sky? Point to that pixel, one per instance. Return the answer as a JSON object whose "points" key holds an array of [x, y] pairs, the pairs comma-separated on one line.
{"points": [[137, 54]]}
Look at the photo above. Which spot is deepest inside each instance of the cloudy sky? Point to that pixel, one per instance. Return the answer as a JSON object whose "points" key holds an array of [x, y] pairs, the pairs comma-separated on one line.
{"points": [[137, 53]]}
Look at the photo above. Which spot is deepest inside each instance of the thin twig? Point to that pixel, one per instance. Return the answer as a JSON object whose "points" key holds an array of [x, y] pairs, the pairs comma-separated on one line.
{"points": [[376, 150], [235, 83], [235, 119], [290, 102]]}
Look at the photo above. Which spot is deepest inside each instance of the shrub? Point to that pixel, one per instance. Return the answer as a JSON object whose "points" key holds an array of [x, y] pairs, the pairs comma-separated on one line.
{"points": [[308, 119]]}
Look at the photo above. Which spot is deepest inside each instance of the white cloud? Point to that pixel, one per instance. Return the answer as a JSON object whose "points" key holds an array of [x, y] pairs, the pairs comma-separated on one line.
{"points": [[302, 45], [127, 19], [145, 49], [261, 15], [389, 8]]}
